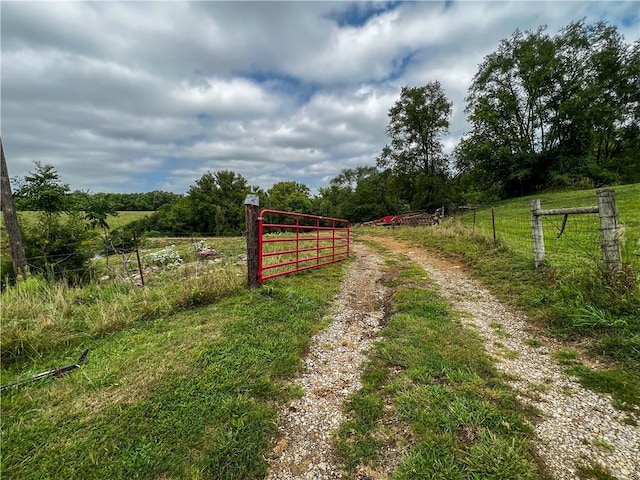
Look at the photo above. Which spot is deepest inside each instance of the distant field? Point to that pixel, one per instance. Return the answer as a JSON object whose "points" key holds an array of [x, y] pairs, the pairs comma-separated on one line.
{"points": [[122, 219]]}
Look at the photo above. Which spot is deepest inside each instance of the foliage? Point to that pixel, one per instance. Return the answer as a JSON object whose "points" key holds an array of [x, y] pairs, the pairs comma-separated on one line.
{"points": [[7, 275], [214, 205], [55, 246], [289, 197], [43, 191], [550, 111], [96, 211], [200, 245], [54, 243], [129, 202], [418, 121]]}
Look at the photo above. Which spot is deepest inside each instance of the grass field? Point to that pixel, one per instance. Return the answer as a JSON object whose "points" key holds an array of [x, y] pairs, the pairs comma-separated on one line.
{"points": [[122, 219], [191, 394], [185, 377], [580, 241], [189, 385]]}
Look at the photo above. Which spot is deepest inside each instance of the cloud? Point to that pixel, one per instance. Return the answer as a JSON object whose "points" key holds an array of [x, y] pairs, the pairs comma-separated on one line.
{"points": [[138, 96]]}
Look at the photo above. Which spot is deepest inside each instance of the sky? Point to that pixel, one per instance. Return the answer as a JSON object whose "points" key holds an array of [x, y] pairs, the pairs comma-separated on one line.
{"points": [[141, 96]]}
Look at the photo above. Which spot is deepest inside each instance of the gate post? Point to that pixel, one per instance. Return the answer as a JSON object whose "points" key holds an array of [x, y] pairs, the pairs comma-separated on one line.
{"points": [[251, 212], [537, 233], [609, 227]]}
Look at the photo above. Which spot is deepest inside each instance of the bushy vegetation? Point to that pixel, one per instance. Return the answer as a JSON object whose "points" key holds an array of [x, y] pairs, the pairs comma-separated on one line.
{"points": [[122, 202]]}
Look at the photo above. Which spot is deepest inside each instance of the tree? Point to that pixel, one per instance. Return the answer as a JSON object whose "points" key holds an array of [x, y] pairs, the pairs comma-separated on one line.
{"points": [[53, 242], [43, 191], [418, 121], [290, 197], [549, 110], [360, 194], [18, 260], [216, 203]]}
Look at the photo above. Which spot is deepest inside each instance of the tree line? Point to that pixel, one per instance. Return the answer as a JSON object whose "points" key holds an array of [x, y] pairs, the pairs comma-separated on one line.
{"points": [[122, 202]]}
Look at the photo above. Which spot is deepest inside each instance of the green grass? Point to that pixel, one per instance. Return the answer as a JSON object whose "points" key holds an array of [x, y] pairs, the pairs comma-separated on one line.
{"points": [[595, 471], [580, 241], [39, 316], [183, 395], [124, 218], [569, 297], [464, 423]]}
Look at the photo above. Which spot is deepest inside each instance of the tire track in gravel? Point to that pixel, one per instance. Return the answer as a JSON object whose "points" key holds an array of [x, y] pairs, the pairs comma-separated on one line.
{"points": [[577, 426], [333, 365]]}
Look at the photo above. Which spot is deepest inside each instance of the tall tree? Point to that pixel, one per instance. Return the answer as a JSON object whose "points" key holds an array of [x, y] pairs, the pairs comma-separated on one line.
{"points": [[418, 122]]}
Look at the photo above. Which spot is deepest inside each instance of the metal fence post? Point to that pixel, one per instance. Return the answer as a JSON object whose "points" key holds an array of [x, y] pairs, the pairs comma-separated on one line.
{"points": [[140, 270], [251, 212], [493, 223], [537, 233], [609, 227]]}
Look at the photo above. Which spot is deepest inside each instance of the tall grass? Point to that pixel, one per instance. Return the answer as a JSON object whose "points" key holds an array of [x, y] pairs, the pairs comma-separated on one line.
{"points": [[189, 395], [40, 316]]}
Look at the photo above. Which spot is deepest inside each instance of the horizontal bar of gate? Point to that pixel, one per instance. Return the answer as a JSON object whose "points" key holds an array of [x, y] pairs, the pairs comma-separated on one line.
{"points": [[316, 241]]}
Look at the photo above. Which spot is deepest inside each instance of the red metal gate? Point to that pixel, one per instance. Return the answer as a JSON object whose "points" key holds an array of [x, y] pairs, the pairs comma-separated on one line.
{"points": [[293, 242]]}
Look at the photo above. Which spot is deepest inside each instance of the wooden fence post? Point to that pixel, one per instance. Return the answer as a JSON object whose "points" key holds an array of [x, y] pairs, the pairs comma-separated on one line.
{"points": [[16, 248], [140, 270], [251, 211], [537, 233], [609, 227]]}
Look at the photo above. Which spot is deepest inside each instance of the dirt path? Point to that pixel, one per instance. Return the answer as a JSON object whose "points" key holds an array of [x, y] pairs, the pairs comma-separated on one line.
{"points": [[304, 449], [577, 426]]}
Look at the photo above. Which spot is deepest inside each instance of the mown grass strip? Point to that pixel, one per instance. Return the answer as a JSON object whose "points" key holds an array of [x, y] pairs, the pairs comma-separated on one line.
{"points": [[464, 423], [191, 395]]}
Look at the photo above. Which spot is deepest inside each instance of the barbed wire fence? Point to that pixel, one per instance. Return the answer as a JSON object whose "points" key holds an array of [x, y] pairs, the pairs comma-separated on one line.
{"points": [[176, 251], [571, 241]]}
